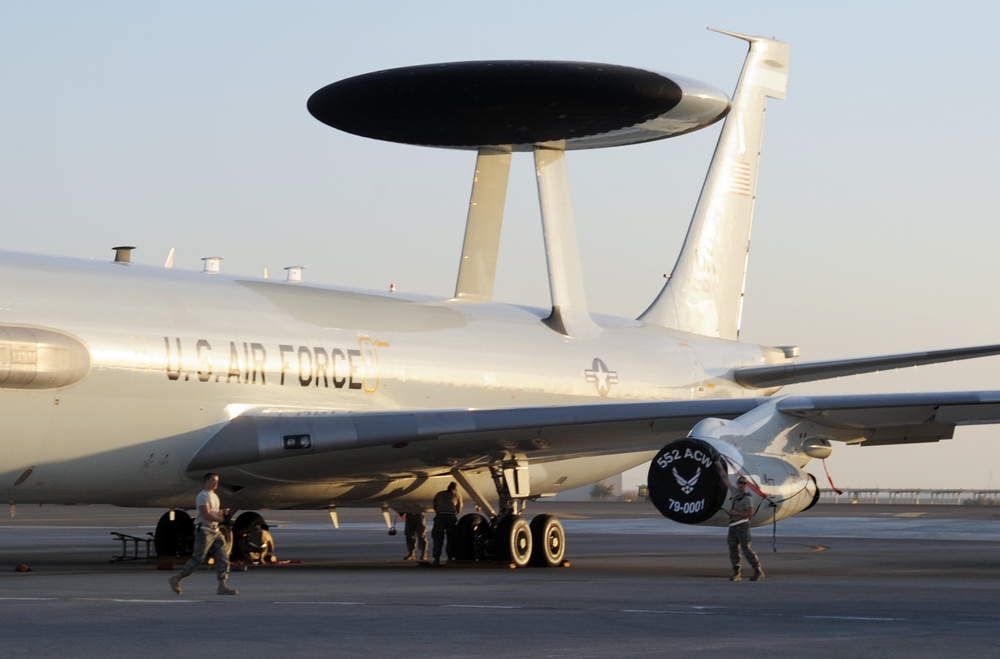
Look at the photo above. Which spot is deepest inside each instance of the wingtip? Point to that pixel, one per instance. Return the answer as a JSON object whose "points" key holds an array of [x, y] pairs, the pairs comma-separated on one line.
{"points": [[745, 37]]}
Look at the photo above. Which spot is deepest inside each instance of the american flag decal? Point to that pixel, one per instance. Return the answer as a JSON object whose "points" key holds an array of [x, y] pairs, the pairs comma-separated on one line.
{"points": [[738, 178]]}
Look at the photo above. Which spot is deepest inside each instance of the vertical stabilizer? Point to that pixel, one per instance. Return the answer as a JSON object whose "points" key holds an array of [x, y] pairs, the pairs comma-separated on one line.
{"points": [[704, 294]]}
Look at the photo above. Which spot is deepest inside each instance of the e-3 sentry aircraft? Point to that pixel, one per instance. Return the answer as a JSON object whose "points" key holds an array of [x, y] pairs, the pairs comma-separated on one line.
{"points": [[122, 384]]}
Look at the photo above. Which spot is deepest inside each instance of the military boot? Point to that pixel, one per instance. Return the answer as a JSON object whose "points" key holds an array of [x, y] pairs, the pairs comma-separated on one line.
{"points": [[175, 584], [736, 575], [409, 557], [758, 574], [224, 589]]}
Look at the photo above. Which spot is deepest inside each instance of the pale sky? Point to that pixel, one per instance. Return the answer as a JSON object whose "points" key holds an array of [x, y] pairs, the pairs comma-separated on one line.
{"points": [[183, 125]]}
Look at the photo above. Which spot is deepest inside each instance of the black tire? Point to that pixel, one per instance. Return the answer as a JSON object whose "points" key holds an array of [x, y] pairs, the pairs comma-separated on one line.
{"points": [[174, 537], [514, 541], [237, 539], [548, 541], [467, 534], [246, 520]]}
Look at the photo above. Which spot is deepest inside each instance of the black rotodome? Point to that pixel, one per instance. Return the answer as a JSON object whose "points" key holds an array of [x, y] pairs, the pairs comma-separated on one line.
{"points": [[470, 104]]}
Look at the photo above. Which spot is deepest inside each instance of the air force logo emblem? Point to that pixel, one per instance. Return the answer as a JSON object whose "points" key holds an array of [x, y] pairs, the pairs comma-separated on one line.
{"points": [[599, 374], [688, 485]]}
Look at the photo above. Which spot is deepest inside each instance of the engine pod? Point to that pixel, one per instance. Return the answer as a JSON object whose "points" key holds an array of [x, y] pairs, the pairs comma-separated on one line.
{"points": [[686, 482]]}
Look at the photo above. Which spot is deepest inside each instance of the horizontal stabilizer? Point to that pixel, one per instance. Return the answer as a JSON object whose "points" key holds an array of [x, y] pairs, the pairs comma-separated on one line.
{"points": [[760, 377]]}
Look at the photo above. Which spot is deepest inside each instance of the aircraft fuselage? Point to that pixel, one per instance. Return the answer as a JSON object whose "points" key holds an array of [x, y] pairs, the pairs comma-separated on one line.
{"points": [[175, 355]]}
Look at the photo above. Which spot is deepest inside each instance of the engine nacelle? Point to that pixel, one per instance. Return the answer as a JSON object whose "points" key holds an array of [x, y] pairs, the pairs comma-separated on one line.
{"points": [[692, 481]]}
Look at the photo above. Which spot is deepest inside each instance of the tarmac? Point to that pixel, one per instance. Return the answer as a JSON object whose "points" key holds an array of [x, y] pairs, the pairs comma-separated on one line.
{"points": [[842, 580]]}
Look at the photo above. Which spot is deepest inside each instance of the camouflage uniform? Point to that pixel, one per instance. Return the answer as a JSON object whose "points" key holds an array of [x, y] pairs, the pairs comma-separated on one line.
{"points": [[415, 531], [447, 505], [208, 539], [739, 537]]}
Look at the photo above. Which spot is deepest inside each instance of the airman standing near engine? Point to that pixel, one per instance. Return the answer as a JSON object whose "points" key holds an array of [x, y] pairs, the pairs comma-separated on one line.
{"points": [[447, 506], [739, 533]]}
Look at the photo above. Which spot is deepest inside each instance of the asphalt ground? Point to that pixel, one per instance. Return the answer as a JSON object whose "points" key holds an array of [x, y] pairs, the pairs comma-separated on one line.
{"points": [[842, 580]]}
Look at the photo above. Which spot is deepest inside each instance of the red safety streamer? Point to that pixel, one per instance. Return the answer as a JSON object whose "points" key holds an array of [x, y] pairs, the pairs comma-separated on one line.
{"points": [[832, 486], [753, 486]]}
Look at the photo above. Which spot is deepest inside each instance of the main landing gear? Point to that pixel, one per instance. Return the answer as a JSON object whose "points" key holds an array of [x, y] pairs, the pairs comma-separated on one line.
{"points": [[506, 535], [174, 534]]}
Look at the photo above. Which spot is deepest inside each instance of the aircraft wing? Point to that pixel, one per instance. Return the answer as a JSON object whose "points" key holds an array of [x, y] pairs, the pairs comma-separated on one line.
{"points": [[779, 375], [302, 445], [879, 419]]}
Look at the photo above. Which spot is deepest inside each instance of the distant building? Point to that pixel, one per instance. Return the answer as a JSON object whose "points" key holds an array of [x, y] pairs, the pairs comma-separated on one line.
{"points": [[584, 493]]}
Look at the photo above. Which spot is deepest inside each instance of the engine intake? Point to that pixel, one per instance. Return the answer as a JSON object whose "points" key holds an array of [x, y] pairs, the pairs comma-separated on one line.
{"points": [[687, 481]]}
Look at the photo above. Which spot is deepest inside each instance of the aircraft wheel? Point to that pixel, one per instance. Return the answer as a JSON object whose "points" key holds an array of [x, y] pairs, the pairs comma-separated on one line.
{"points": [[514, 540], [236, 540], [468, 532], [174, 537], [246, 520], [548, 541]]}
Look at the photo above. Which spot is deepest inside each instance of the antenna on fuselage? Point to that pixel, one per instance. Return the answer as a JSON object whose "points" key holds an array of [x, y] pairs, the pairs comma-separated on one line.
{"points": [[123, 254], [212, 265]]}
